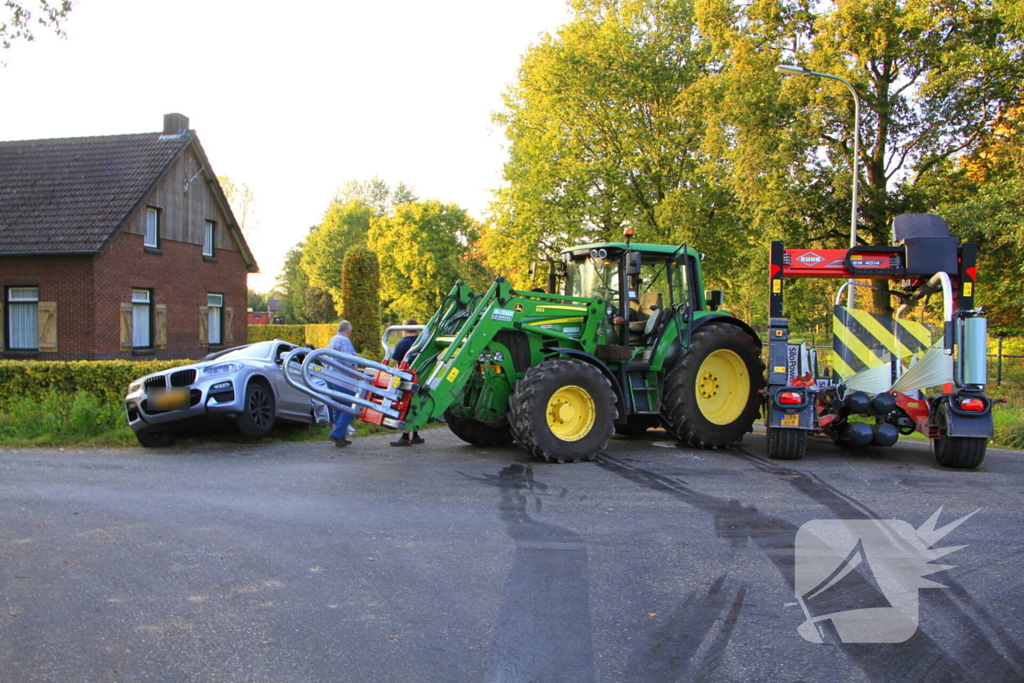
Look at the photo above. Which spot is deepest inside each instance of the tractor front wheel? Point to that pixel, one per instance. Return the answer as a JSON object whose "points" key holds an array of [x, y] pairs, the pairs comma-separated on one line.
{"points": [[711, 394], [562, 410], [478, 433]]}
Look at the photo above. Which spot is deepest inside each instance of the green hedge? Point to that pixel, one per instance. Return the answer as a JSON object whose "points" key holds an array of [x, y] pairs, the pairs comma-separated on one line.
{"points": [[106, 379], [311, 336], [296, 334]]}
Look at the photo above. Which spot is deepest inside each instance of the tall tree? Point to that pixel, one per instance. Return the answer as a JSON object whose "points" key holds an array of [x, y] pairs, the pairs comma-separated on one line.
{"points": [[931, 77], [423, 249], [595, 142], [257, 301], [361, 284], [343, 227], [242, 201], [374, 193], [291, 286], [19, 23]]}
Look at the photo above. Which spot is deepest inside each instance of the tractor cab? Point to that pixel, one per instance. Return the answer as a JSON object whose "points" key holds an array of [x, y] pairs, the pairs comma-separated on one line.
{"points": [[640, 285]]}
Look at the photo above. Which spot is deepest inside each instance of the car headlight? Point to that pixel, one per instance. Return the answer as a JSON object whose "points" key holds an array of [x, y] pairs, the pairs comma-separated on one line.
{"points": [[134, 386], [222, 369]]}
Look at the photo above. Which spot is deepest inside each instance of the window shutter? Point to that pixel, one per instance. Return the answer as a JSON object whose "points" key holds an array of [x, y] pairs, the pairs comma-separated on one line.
{"points": [[204, 322], [160, 326], [229, 332], [126, 325], [3, 319], [47, 312]]}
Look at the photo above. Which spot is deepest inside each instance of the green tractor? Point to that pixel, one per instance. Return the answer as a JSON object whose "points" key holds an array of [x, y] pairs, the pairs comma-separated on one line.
{"points": [[623, 339]]}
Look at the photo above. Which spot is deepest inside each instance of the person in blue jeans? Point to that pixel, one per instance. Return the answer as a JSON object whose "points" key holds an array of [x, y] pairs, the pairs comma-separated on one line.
{"points": [[402, 348], [342, 342]]}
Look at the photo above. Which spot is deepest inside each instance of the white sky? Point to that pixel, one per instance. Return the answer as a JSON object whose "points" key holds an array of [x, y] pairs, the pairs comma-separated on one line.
{"points": [[294, 104]]}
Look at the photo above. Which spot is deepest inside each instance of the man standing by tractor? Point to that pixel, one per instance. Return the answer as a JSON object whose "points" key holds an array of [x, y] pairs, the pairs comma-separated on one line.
{"points": [[342, 419], [402, 348]]}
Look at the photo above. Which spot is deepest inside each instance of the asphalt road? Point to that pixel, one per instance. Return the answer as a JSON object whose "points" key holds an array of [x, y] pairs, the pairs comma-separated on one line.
{"points": [[446, 562]]}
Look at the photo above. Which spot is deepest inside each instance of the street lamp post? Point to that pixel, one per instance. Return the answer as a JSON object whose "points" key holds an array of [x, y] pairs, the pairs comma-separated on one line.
{"points": [[792, 70]]}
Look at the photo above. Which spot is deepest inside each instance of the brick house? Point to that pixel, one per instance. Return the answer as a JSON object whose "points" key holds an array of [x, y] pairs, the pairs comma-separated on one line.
{"points": [[118, 246]]}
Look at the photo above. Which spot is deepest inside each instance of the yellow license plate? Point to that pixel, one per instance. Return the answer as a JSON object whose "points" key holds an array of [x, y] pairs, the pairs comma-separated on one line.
{"points": [[791, 420], [170, 399]]}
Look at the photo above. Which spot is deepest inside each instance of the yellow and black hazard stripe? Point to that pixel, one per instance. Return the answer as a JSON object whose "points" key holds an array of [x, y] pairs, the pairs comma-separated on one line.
{"points": [[862, 340]]}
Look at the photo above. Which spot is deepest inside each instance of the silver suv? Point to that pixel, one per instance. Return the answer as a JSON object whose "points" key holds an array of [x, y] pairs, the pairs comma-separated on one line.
{"points": [[244, 384]]}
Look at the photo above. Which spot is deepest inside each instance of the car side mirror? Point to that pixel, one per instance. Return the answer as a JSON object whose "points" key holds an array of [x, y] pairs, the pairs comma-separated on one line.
{"points": [[715, 298]]}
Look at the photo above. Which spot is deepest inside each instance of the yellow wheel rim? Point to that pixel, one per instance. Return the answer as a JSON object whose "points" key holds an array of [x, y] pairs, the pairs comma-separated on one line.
{"points": [[723, 387], [570, 413]]}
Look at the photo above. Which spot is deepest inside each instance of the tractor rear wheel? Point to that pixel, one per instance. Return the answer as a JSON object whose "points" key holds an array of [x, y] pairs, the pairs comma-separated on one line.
{"points": [[965, 452], [562, 410], [711, 395], [478, 433]]}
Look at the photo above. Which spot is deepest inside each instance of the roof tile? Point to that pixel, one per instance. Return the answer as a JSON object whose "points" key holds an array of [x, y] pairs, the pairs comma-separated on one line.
{"points": [[71, 194]]}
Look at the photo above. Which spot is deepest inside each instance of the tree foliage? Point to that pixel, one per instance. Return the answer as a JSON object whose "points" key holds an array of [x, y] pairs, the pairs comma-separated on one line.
{"points": [[374, 193], [242, 201], [668, 116], [19, 19], [424, 249], [323, 257], [361, 286]]}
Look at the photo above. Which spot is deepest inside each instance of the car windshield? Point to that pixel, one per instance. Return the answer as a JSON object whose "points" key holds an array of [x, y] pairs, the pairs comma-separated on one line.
{"points": [[261, 350]]}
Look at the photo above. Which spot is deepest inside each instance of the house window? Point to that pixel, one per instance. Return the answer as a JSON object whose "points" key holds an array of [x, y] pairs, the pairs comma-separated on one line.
{"points": [[23, 318], [142, 318], [152, 228], [208, 238], [215, 304]]}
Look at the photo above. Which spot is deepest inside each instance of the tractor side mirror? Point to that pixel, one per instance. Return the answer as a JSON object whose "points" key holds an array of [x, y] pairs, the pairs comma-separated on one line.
{"points": [[633, 266], [714, 298]]}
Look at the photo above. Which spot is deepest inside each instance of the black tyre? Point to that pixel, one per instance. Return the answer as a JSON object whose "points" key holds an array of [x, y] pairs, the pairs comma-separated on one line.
{"points": [[257, 416], [479, 433], [711, 395], [964, 452], [562, 410], [786, 444], [153, 438]]}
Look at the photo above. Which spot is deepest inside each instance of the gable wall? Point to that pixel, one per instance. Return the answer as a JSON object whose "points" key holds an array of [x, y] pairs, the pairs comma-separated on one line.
{"points": [[183, 215]]}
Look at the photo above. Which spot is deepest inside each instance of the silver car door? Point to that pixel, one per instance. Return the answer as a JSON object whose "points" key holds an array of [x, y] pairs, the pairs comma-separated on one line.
{"points": [[294, 403]]}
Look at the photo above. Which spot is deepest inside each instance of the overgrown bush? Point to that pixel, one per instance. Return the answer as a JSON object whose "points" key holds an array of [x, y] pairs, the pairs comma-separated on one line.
{"points": [[360, 284]]}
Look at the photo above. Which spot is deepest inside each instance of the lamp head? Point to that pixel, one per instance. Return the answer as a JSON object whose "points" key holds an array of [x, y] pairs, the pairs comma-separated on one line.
{"points": [[791, 70]]}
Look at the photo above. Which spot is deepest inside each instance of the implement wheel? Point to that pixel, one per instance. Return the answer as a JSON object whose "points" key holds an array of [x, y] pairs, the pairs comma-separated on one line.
{"points": [[963, 452], [786, 444], [478, 433], [562, 410], [711, 394]]}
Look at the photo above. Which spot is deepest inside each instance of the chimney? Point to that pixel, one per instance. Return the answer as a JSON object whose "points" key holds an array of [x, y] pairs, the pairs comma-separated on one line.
{"points": [[175, 124]]}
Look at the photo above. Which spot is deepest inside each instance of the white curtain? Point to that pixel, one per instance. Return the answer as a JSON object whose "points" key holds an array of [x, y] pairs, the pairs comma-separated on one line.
{"points": [[140, 326], [24, 326]]}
